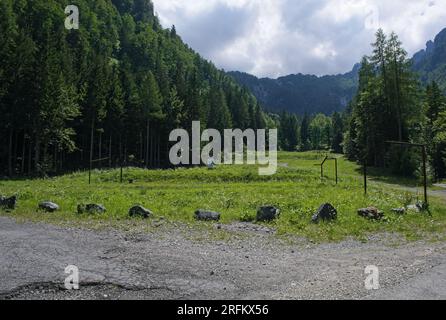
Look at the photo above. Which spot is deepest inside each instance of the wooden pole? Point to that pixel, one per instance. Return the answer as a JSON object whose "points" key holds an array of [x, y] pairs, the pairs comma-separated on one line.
{"points": [[91, 151], [425, 175], [365, 176], [121, 172], [336, 169]]}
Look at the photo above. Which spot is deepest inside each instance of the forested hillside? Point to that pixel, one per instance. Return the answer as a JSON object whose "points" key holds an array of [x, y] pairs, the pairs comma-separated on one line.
{"points": [[430, 63], [302, 94], [310, 94], [113, 89]]}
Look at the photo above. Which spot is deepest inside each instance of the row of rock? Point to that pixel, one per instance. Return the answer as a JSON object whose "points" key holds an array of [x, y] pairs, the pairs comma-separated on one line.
{"points": [[92, 208], [326, 212], [264, 214]]}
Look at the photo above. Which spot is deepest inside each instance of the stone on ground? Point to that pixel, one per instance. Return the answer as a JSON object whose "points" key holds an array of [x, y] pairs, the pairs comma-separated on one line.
{"points": [[8, 203], [267, 213], [91, 209], [203, 215], [48, 206], [371, 213], [140, 211], [326, 212]]}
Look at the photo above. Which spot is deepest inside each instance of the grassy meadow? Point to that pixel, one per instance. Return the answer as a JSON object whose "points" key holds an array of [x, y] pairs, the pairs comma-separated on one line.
{"points": [[236, 192]]}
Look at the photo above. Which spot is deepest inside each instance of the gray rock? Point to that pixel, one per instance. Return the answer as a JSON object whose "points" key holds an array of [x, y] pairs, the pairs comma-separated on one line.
{"points": [[371, 213], [8, 203], [267, 213], [91, 209], [399, 211], [140, 211], [414, 208], [48, 206], [203, 215], [326, 212], [418, 207]]}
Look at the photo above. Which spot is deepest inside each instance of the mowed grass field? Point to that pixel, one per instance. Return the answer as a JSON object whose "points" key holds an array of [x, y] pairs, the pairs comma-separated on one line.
{"points": [[236, 192]]}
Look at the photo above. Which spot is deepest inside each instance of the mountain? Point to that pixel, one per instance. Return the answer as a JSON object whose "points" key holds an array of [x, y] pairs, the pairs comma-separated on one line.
{"points": [[311, 94], [430, 63], [301, 93]]}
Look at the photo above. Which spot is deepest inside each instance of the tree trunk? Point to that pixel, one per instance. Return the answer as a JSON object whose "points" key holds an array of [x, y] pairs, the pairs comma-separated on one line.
{"points": [[22, 165], [151, 150], [110, 152], [14, 151], [159, 153], [30, 156], [55, 158], [398, 103], [120, 149], [142, 155], [147, 144], [91, 150], [100, 150], [45, 158], [11, 133], [37, 153]]}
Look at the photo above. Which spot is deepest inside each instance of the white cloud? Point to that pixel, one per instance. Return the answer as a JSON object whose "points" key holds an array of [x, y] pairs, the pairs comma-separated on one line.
{"points": [[279, 37]]}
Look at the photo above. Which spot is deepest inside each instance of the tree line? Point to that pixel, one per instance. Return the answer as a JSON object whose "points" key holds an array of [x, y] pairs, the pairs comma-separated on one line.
{"points": [[310, 132], [112, 90], [390, 105]]}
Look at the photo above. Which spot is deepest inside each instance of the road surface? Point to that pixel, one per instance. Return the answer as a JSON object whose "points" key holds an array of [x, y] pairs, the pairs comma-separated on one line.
{"points": [[180, 262]]}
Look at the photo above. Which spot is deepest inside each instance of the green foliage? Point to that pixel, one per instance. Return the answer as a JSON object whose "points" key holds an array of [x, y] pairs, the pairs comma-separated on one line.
{"points": [[321, 132], [433, 130], [116, 86], [386, 105]]}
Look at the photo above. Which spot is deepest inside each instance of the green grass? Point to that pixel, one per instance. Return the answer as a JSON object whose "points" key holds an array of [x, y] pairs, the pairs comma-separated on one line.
{"points": [[236, 192]]}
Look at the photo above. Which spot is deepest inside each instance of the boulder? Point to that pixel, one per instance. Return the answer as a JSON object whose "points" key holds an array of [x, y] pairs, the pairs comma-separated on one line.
{"points": [[91, 209], [139, 211], [48, 206], [399, 211], [371, 213], [8, 203], [267, 213], [326, 212], [418, 207], [203, 215]]}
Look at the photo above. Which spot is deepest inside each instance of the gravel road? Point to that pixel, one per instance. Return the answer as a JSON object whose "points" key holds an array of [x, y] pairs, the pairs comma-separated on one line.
{"points": [[180, 262]]}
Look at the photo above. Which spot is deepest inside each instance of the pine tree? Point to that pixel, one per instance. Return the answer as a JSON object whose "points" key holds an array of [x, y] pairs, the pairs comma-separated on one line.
{"points": [[219, 116], [338, 132], [305, 143], [67, 97], [434, 109]]}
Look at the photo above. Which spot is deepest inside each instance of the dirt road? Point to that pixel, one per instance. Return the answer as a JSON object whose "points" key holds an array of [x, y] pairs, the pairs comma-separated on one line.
{"points": [[178, 262]]}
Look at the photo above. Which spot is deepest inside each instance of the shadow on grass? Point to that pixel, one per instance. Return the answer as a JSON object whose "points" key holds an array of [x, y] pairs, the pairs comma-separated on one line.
{"points": [[386, 176]]}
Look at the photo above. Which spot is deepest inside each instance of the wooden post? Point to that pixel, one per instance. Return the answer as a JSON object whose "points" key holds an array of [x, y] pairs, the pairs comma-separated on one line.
{"points": [[91, 151], [365, 176], [336, 169], [425, 175], [322, 171], [121, 171]]}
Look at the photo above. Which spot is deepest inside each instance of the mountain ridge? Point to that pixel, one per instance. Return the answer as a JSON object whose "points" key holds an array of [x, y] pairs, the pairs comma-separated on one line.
{"points": [[305, 93]]}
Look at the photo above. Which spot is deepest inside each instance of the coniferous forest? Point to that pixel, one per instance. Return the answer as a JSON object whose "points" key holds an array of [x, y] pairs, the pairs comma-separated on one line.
{"points": [[112, 90]]}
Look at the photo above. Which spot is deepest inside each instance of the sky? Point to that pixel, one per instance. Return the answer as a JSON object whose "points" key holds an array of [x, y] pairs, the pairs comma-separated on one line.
{"points": [[272, 38]]}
